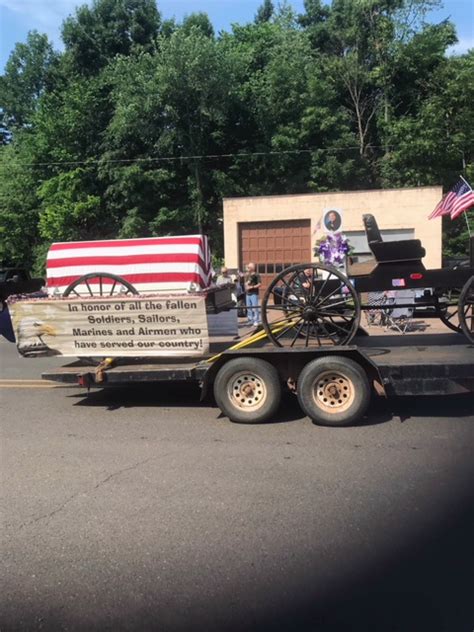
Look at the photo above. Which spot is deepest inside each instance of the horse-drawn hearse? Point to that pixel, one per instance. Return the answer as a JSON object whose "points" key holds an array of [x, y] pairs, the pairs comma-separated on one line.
{"points": [[314, 304]]}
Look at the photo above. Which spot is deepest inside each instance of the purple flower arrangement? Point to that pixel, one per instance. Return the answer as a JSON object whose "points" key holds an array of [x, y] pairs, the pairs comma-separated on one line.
{"points": [[332, 249]]}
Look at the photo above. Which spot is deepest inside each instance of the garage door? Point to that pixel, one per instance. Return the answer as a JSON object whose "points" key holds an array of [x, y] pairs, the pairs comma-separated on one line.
{"points": [[274, 246]]}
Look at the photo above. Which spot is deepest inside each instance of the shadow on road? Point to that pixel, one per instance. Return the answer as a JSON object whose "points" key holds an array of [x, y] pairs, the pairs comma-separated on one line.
{"points": [[449, 406], [188, 396]]}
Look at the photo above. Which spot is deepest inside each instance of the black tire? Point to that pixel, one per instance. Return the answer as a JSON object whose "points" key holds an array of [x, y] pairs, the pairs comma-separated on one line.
{"points": [[247, 390], [466, 309], [333, 391]]}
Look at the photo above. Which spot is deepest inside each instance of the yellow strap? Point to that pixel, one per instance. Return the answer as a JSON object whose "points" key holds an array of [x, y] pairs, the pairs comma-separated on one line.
{"points": [[257, 337], [102, 367]]}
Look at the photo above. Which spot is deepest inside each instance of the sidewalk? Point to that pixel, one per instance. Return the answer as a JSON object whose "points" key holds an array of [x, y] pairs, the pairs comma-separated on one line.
{"points": [[431, 326]]}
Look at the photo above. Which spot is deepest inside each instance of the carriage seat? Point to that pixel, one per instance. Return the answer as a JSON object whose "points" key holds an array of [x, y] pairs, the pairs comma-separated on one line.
{"points": [[391, 251]]}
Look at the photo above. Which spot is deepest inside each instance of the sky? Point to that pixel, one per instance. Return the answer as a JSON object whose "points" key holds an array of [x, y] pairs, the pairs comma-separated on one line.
{"points": [[17, 17]]}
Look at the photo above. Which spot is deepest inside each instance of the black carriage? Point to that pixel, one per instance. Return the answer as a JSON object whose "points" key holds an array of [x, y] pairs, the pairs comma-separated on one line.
{"points": [[316, 304]]}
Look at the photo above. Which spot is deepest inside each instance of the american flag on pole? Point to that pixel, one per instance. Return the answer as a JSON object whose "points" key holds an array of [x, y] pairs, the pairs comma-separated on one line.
{"points": [[456, 201], [155, 264]]}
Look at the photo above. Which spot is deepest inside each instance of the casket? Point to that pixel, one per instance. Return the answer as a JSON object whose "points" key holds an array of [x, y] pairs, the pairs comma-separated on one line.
{"points": [[151, 265], [178, 265]]}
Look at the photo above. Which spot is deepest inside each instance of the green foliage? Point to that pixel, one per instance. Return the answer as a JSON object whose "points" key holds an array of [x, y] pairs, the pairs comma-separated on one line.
{"points": [[27, 74], [265, 12], [96, 34], [456, 236], [199, 21], [68, 212], [141, 126], [19, 205]]}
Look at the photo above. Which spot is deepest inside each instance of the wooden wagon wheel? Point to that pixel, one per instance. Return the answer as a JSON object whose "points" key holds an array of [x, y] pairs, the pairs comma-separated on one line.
{"points": [[100, 284], [466, 309], [310, 304], [449, 314]]}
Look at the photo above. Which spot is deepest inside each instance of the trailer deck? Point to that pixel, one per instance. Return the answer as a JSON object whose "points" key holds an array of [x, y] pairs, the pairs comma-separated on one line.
{"points": [[425, 364]]}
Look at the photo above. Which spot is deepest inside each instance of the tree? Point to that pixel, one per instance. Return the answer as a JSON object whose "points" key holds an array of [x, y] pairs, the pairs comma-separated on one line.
{"points": [[199, 21], [175, 107], [314, 21], [68, 212], [96, 34], [141, 127], [19, 204], [27, 74], [264, 12], [434, 140]]}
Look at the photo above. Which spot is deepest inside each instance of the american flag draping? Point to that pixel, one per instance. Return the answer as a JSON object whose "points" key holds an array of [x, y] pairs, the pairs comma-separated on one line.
{"points": [[155, 264]]}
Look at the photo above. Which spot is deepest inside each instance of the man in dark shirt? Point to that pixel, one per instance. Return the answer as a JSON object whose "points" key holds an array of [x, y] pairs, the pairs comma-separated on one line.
{"points": [[252, 287]]}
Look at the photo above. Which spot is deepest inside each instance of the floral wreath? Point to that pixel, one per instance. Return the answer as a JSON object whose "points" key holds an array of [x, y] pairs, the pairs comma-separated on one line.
{"points": [[333, 249]]}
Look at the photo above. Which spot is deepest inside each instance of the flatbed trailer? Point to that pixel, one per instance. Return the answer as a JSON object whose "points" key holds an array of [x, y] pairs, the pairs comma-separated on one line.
{"points": [[333, 384]]}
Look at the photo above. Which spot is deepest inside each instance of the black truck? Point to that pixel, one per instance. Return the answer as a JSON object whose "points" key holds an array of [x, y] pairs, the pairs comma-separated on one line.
{"points": [[17, 281]]}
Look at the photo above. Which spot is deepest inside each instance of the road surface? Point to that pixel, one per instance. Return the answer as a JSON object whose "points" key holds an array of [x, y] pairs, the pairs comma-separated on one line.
{"points": [[145, 510]]}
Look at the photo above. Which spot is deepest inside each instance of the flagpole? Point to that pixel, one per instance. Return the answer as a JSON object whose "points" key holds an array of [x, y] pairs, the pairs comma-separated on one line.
{"points": [[465, 212]]}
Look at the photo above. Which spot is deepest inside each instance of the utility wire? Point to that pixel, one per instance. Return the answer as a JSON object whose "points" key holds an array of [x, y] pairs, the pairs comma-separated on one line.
{"points": [[191, 157]]}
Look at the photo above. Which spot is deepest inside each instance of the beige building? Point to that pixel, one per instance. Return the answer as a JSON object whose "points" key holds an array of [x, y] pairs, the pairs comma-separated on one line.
{"points": [[280, 230]]}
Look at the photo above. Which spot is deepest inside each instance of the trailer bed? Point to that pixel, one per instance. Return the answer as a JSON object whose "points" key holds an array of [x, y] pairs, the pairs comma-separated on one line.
{"points": [[425, 364]]}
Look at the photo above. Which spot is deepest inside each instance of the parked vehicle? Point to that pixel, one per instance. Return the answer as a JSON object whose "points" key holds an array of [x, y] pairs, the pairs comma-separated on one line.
{"points": [[17, 281]]}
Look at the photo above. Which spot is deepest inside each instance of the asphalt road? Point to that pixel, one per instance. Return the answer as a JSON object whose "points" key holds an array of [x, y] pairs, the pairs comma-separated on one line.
{"points": [[145, 510]]}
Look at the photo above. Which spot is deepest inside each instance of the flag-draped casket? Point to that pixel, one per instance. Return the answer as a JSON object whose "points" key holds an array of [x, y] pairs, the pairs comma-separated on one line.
{"points": [[151, 265]]}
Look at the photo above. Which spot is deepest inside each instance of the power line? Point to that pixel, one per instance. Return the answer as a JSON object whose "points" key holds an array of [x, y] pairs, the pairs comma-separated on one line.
{"points": [[100, 161]]}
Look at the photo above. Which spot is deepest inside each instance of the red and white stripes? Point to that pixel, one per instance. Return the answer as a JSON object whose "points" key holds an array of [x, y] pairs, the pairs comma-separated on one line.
{"points": [[155, 264]]}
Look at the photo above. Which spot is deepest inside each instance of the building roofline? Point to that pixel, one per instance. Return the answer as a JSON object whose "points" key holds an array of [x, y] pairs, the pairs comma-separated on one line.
{"points": [[319, 193]]}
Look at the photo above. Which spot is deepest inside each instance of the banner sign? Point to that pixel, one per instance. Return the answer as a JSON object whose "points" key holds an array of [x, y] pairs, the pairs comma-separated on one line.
{"points": [[157, 326]]}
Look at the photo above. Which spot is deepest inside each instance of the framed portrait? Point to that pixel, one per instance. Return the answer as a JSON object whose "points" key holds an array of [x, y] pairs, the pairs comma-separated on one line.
{"points": [[332, 220]]}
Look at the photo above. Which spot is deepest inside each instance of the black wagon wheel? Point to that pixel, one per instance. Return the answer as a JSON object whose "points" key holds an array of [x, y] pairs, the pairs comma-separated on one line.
{"points": [[310, 304], [466, 309], [448, 308], [99, 284]]}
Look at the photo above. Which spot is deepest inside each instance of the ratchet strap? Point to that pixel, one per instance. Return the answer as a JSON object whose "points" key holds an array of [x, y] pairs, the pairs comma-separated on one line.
{"points": [[258, 336], [100, 369]]}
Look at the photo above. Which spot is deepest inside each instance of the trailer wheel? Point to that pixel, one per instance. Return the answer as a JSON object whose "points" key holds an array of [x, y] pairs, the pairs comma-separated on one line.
{"points": [[247, 390], [333, 391]]}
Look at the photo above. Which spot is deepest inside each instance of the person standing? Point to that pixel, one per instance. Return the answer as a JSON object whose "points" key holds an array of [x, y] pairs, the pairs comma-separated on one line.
{"points": [[252, 288], [225, 278]]}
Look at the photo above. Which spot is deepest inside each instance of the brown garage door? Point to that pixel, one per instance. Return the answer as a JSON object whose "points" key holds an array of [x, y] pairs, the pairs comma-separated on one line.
{"points": [[274, 246]]}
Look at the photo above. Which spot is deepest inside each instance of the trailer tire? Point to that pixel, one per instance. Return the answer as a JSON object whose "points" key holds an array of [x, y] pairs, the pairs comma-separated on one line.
{"points": [[247, 390], [333, 391]]}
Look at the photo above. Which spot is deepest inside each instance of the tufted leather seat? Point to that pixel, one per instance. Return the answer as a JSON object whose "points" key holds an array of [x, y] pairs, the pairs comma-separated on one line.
{"points": [[391, 251]]}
